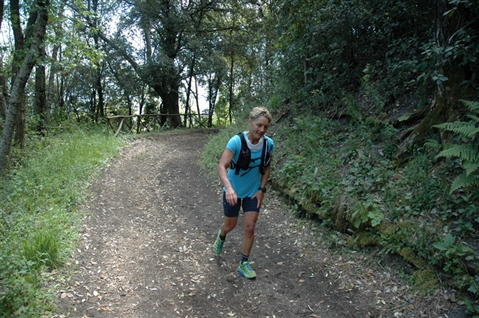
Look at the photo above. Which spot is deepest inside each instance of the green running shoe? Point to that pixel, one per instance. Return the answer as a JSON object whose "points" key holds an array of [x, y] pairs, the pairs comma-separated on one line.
{"points": [[246, 270], [218, 246]]}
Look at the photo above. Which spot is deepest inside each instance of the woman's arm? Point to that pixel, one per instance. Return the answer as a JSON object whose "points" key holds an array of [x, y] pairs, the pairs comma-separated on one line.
{"points": [[264, 180], [223, 166]]}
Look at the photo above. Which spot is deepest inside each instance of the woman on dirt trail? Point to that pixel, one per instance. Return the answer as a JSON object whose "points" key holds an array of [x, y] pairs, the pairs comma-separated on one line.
{"points": [[248, 157]]}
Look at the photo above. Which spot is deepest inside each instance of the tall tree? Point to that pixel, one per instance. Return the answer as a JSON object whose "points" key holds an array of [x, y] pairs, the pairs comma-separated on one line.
{"points": [[38, 13], [3, 80], [100, 107], [40, 99], [3, 91], [172, 32], [19, 38], [163, 25], [234, 51]]}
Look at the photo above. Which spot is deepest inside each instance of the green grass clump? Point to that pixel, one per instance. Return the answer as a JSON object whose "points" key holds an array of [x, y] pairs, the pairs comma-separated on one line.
{"points": [[42, 249], [38, 219]]}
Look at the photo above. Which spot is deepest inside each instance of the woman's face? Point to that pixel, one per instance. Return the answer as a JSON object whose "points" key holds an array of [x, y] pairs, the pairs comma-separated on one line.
{"points": [[258, 127]]}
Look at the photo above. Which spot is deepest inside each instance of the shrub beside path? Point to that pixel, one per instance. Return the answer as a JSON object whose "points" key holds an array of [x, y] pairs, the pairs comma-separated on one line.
{"points": [[146, 251]]}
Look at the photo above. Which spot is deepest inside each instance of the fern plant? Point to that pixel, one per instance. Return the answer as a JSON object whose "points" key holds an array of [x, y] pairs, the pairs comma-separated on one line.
{"points": [[468, 151]]}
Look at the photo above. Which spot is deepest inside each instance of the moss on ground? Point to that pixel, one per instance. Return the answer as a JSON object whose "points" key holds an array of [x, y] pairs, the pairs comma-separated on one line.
{"points": [[426, 281]]}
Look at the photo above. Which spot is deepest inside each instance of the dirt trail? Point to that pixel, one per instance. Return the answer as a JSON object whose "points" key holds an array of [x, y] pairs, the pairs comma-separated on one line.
{"points": [[146, 251]]}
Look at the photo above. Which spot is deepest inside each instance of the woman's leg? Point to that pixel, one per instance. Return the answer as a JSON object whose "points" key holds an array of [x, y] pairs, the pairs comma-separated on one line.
{"points": [[228, 225], [250, 219]]}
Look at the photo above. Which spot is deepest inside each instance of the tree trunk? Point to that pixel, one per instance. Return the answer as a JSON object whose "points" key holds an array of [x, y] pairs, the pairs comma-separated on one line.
{"points": [[20, 81], [51, 97], [39, 105], [171, 106], [93, 109], [213, 88], [231, 97], [61, 96], [21, 124], [140, 110], [3, 80], [98, 85], [51, 85], [101, 99], [188, 91], [17, 59], [197, 101], [3, 91]]}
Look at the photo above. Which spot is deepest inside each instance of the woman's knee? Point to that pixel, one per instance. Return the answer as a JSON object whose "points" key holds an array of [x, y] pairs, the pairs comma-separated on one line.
{"points": [[249, 228], [250, 222], [229, 224]]}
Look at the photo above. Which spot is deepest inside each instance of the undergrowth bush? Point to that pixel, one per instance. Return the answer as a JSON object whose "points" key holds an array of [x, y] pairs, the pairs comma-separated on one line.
{"points": [[466, 149], [38, 223], [457, 256]]}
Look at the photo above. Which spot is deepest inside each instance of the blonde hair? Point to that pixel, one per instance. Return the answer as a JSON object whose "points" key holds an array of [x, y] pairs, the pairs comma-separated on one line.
{"points": [[260, 111]]}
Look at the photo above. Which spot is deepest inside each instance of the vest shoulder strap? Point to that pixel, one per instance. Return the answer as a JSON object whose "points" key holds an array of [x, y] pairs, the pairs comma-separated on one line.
{"points": [[244, 148]]}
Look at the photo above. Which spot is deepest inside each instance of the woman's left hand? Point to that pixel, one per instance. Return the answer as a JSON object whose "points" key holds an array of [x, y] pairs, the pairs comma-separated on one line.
{"points": [[260, 196]]}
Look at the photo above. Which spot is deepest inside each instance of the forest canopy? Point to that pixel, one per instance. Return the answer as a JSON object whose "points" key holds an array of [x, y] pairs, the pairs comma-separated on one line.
{"points": [[94, 59], [101, 58]]}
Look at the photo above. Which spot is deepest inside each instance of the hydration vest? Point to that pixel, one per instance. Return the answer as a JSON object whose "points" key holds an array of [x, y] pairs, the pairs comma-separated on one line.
{"points": [[244, 158]]}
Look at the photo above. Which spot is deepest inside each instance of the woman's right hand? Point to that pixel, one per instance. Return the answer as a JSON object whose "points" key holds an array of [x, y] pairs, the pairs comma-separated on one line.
{"points": [[231, 196], [223, 165]]}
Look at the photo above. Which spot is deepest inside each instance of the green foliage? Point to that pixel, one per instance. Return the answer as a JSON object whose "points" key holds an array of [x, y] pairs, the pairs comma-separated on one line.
{"points": [[472, 309], [452, 252], [468, 150], [384, 50], [37, 226], [367, 213], [452, 257], [302, 167], [413, 190]]}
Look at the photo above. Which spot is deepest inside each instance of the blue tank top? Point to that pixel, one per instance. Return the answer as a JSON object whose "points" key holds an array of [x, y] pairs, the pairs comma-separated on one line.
{"points": [[247, 182]]}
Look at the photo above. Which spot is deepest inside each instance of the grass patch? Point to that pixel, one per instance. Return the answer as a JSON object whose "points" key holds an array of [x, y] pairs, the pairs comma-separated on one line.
{"points": [[38, 217]]}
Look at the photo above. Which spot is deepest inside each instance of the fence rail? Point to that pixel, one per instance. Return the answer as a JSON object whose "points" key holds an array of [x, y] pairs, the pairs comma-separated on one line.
{"points": [[151, 122]]}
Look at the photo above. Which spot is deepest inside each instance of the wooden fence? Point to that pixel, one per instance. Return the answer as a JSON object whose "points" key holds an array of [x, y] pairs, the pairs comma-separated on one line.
{"points": [[152, 122]]}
